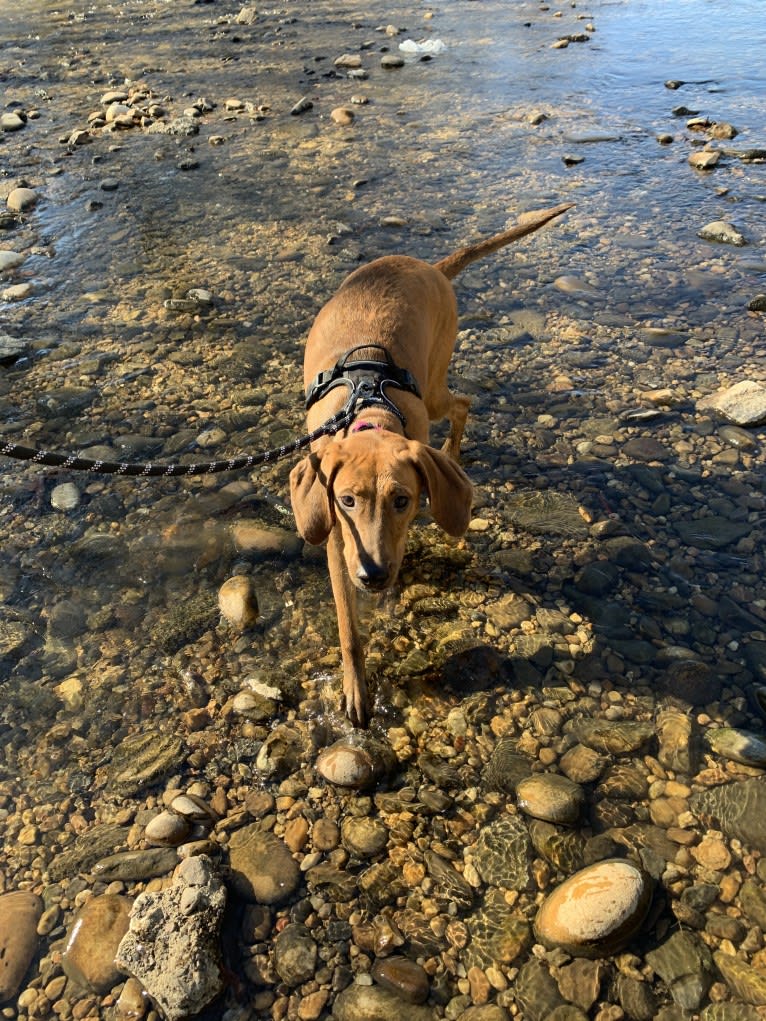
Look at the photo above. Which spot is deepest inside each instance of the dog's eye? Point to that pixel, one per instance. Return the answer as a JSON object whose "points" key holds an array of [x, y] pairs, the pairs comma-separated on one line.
{"points": [[347, 500], [401, 502]]}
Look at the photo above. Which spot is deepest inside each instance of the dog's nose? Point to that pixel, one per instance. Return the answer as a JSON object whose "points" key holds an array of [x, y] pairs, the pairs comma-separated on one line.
{"points": [[373, 576]]}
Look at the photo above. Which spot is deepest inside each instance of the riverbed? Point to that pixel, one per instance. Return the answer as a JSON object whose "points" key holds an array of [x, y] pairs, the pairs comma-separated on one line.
{"points": [[183, 186]]}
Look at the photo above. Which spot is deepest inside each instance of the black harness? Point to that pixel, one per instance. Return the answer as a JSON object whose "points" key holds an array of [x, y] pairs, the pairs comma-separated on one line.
{"points": [[368, 377]]}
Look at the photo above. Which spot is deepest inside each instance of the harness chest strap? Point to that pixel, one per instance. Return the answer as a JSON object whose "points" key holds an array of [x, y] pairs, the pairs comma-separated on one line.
{"points": [[367, 378]]}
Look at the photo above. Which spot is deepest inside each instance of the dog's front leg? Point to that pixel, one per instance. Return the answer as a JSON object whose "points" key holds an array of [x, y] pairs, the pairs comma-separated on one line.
{"points": [[352, 652]]}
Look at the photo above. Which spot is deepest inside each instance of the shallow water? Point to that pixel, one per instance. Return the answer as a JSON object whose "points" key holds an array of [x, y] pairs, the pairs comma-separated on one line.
{"points": [[109, 611]]}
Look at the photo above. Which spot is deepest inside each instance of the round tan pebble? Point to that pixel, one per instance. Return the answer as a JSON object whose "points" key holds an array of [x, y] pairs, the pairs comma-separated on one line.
{"points": [[167, 830], [479, 986], [325, 835], [712, 853], [342, 115], [237, 602], [296, 833], [132, 1001]]}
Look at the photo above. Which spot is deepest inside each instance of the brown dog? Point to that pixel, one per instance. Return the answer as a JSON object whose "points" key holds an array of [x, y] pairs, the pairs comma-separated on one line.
{"points": [[380, 349]]}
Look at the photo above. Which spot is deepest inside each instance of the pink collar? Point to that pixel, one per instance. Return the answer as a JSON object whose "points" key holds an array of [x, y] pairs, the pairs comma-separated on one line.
{"points": [[363, 425]]}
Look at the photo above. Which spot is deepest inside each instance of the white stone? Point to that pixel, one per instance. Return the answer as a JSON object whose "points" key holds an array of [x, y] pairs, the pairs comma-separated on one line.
{"points": [[65, 497], [21, 199], [744, 403], [595, 911], [346, 765], [723, 232], [10, 260]]}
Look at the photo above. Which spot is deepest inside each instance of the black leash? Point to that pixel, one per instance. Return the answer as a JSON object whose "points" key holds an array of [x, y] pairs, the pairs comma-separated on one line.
{"points": [[71, 462], [367, 378]]}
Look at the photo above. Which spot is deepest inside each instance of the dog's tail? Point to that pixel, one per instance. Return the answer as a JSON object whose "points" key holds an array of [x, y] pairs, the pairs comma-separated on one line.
{"points": [[528, 223]]}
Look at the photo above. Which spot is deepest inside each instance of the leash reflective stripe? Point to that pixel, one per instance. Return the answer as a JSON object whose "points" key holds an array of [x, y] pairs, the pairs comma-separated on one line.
{"points": [[333, 425]]}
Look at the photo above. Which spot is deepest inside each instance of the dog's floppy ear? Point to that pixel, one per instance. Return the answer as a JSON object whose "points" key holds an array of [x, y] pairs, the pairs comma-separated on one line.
{"points": [[311, 497], [450, 493]]}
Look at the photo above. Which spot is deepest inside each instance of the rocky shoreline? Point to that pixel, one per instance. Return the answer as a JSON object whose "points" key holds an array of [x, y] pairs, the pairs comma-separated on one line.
{"points": [[558, 812]]}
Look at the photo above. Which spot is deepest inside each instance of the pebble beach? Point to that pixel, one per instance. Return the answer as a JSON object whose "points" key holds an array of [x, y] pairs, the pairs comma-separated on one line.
{"points": [[559, 810]]}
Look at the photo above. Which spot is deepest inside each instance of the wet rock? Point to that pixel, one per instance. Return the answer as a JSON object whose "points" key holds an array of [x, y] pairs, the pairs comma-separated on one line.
{"points": [[597, 910], [12, 121], [448, 882], [9, 260], [580, 982], [354, 765], [363, 836], [485, 1012], [550, 797], [498, 934], [684, 964], [722, 232], [564, 849], [613, 737], [757, 304], [506, 767], [172, 944], [692, 681], [547, 512], [302, 106], [636, 998], [374, 1003], [295, 954], [342, 115], [237, 601], [96, 843], [582, 764], [390, 61], [536, 991], [167, 829], [131, 866], [738, 808], [65, 497], [143, 759], [247, 16], [712, 532], [403, 977], [262, 868], [675, 737], [746, 982], [20, 912], [657, 336], [752, 897], [261, 543], [11, 349], [91, 946], [704, 159], [645, 448], [281, 752], [502, 853], [21, 199], [738, 745], [744, 403]]}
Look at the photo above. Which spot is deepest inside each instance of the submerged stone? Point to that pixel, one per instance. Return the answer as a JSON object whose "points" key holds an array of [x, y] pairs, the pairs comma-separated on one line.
{"points": [[738, 745], [738, 808], [597, 910], [19, 914]]}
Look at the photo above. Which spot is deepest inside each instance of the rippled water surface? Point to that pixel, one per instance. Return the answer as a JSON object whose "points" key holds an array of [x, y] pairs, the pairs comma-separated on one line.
{"points": [[585, 350]]}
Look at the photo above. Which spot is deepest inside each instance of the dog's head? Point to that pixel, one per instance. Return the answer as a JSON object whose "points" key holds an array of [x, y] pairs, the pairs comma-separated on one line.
{"points": [[370, 483]]}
